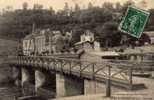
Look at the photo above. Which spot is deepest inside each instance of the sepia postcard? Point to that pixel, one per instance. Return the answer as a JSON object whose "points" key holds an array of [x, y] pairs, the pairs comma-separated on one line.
{"points": [[76, 49]]}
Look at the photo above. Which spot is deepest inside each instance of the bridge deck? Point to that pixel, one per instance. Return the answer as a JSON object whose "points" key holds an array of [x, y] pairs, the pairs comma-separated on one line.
{"points": [[119, 73]]}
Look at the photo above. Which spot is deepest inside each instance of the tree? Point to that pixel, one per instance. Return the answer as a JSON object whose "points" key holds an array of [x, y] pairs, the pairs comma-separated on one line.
{"points": [[58, 41], [107, 6], [118, 6], [77, 8], [25, 6], [37, 7], [126, 4], [7, 9], [90, 5], [51, 11], [66, 9], [76, 32], [109, 34], [94, 16]]}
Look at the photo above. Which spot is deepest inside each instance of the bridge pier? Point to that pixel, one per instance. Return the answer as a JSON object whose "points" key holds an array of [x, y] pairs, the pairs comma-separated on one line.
{"points": [[16, 74], [68, 85], [28, 81], [39, 79], [45, 83], [93, 87]]}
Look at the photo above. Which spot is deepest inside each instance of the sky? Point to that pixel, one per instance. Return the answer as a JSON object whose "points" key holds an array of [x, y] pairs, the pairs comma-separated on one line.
{"points": [[59, 4]]}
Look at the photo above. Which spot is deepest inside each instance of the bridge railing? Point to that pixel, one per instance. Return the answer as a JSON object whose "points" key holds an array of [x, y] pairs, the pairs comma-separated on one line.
{"points": [[119, 73]]}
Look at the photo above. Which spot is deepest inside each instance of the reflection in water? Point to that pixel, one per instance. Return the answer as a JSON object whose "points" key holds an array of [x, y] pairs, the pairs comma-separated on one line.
{"points": [[9, 92]]}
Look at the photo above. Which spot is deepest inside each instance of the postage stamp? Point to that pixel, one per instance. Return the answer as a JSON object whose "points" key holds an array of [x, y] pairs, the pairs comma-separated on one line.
{"points": [[134, 21]]}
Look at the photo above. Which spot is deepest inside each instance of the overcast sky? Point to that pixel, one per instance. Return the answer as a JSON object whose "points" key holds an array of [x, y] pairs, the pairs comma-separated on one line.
{"points": [[59, 4]]}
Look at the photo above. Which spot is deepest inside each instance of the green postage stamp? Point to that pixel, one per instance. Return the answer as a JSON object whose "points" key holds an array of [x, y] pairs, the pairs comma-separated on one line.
{"points": [[134, 21]]}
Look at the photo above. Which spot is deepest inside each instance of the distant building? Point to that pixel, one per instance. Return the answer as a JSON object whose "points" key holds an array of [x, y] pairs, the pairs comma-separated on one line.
{"points": [[28, 44], [87, 36], [86, 41], [40, 42], [57, 42], [45, 41], [90, 49], [37, 42]]}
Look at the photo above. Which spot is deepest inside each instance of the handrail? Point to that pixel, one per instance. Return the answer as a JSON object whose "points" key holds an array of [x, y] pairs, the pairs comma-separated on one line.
{"points": [[119, 71], [103, 60]]}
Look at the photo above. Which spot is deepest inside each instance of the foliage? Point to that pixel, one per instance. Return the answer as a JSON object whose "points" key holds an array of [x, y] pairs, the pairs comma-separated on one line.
{"points": [[103, 21]]}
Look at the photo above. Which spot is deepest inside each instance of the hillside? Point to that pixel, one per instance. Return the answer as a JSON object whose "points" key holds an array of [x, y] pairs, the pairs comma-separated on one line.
{"points": [[7, 47]]}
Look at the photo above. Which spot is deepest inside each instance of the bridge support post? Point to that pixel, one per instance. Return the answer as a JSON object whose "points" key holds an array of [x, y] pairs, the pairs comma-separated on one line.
{"points": [[25, 76], [130, 78], [16, 73], [108, 83], [39, 80], [68, 85], [108, 88], [60, 86], [93, 87], [27, 81]]}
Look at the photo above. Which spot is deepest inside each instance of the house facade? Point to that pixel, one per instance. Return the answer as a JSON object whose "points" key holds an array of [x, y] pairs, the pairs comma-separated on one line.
{"points": [[88, 42], [28, 44], [44, 41]]}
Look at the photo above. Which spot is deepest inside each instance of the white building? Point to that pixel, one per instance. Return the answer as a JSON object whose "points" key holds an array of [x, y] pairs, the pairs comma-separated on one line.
{"points": [[40, 43], [28, 44], [88, 42], [87, 36]]}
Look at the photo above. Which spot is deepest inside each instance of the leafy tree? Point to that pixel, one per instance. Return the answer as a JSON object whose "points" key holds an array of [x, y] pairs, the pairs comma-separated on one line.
{"points": [[37, 6], [107, 6], [51, 10], [125, 6], [109, 34], [77, 8], [90, 5], [118, 7], [103, 21], [66, 9], [25, 6], [76, 32]]}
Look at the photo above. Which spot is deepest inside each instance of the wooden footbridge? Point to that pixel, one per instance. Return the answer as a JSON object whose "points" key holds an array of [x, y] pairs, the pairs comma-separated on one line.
{"points": [[113, 72]]}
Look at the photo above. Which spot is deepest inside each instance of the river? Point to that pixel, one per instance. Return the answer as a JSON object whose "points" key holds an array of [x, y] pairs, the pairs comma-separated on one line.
{"points": [[9, 92]]}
